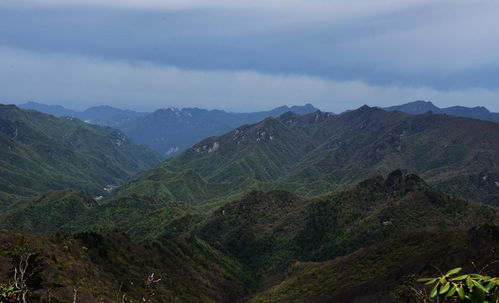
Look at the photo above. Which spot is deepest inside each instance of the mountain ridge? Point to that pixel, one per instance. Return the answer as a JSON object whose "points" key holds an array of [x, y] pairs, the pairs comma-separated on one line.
{"points": [[264, 229], [168, 130], [318, 152], [420, 107], [41, 152]]}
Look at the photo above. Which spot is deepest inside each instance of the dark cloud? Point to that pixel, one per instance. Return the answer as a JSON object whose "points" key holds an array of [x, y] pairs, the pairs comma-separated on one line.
{"points": [[441, 49], [382, 49]]}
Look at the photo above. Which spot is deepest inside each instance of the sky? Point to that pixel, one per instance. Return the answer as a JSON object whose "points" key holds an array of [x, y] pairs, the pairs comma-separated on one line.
{"points": [[249, 55]]}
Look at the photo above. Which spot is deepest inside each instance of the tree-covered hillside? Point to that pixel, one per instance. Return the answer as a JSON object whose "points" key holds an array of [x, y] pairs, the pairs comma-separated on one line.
{"points": [[39, 152], [367, 243], [318, 152], [266, 230]]}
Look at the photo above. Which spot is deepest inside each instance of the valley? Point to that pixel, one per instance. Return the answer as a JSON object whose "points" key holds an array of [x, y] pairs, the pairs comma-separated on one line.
{"points": [[213, 151], [311, 207]]}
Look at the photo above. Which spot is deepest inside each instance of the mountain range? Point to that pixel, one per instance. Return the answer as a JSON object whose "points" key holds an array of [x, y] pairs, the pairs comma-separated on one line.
{"points": [[275, 246], [40, 152], [104, 115], [266, 230], [308, 155], [311, 207], [421, 107], [170, 130], [319, 152]]}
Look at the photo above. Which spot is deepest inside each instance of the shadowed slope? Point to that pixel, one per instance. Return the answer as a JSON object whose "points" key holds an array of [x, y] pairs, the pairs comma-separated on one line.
{"points": [[267, 230]]}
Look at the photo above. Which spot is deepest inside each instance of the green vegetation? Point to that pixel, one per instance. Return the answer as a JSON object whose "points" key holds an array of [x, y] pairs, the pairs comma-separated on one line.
{"points": [[138, 217], [384, 272], [8, 293], [40, 153], [268, 246], [266, 230], [309, 155], [317, 153], [111, 267], [171, 130], [72, 211], [475, 288], [295, 209], [48, 212]]}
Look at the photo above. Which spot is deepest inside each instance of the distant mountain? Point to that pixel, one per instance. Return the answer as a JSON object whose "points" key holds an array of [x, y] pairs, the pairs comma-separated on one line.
{"points": [[296, 208], [109, 116], [169, 131], [421, 107], [55, 110], [39, 152], [317, 152], [101, 115]]}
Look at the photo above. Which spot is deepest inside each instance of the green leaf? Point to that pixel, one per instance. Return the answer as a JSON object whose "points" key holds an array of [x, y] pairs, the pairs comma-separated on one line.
{"points": [[477, 296], [459, 278], [490, 285], [445, 288], [454, 271], [452, 291], [495, 297], [460, 292], [480, 286], [434, 291], [469, 283], [478, 277], [422, 280]]}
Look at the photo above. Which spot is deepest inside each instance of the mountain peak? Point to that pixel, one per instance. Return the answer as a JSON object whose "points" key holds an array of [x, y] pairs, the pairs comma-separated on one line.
{"points": [[8, 110], [55, 110], [298, 120], [298, 109], [365, 109], [421, 107], [398, 182], [415, 107], [421, 102], [31, 103], [8, 107], [101, 107]]}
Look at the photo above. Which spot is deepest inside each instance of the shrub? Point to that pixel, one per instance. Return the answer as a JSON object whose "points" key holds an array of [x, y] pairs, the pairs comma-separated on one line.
{"points": [[8, 293], [474, 288]]}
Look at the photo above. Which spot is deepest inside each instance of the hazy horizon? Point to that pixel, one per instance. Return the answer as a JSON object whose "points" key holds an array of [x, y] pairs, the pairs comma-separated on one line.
{"points": [[166, 106]]}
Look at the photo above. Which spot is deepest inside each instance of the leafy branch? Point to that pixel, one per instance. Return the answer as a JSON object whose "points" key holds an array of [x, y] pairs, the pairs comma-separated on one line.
{"points": [[8, 293], [474, 288]]}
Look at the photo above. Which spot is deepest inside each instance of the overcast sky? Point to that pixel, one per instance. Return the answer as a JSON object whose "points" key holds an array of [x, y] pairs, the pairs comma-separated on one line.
{"points": [[249, 55]]}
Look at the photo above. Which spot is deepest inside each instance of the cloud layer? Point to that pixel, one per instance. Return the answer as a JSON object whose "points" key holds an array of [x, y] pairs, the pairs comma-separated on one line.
{"points": [[312, 8], [79, 82], [396, 49]]}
